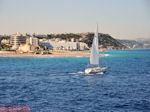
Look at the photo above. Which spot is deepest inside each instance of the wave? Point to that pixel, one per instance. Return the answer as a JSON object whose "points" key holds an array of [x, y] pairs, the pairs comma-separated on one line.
{"points": [[106, 54]]}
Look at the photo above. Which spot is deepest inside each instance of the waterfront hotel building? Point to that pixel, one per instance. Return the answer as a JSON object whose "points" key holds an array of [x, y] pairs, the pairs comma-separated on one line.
{"points": [[16, 40]]}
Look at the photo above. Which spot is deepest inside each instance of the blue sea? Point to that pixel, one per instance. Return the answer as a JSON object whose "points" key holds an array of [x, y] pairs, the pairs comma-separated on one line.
{"points": [[59, 84]]}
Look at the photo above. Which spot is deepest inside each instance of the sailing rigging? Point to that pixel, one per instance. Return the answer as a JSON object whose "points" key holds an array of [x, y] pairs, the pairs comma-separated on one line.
{"points": [[94, 67]]}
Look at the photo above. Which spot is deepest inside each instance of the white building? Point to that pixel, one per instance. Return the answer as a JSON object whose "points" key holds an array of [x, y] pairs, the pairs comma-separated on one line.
{"points": [[64, 45], [34, 41], [23, 48], [61, 45], [0, 44], [16, 40], [83, 46], [5, 41]]}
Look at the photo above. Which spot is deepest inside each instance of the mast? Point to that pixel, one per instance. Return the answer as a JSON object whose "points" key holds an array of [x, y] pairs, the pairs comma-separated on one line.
{"points": [[94, 57]]}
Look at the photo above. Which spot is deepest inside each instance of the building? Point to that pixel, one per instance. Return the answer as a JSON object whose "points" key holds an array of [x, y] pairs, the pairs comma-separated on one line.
{"points": [[64, 45], [72, 39], [34, 41], [16, 40], [61, 45], [5, 41], [0, 44], [27, 47], [83, 46]]}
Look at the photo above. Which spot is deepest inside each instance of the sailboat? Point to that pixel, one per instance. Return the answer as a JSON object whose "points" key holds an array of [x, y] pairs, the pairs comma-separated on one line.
{"points": [[94, 66]]}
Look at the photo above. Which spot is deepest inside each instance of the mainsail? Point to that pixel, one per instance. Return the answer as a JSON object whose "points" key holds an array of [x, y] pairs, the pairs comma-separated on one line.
{"points": [[94, 57]]}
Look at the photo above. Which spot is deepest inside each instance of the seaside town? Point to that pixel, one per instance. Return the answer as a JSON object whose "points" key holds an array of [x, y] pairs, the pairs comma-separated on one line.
{"points": [[38, 45], [74, 56], [61, 45], [47, 45]]}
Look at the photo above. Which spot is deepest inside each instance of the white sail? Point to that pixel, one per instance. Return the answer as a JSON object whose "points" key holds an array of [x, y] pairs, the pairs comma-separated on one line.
{"points": [[94, 57]]}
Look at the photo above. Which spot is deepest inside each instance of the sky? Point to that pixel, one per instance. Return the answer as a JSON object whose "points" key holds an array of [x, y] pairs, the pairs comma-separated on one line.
{"points": [[122, 19]]}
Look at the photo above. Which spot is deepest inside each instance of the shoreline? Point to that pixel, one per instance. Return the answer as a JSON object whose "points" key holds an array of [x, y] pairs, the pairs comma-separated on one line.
{"points": [[54, 54]]}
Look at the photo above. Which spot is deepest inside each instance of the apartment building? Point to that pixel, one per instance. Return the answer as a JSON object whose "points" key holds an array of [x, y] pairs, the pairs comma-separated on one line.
{"points": [[16, 40], [34, 41]]}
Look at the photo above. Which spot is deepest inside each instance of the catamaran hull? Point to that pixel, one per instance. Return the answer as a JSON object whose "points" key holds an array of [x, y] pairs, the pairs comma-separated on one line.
{"points": [[96, 70]]}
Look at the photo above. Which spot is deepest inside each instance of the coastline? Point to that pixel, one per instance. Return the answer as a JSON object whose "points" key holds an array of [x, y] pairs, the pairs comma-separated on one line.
{"points": [[54, 54]]}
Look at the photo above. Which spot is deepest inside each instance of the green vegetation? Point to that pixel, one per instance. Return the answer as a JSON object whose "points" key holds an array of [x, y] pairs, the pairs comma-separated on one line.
{"points": [[6, 47], [105, 40], [4, 37], [67, 36]]}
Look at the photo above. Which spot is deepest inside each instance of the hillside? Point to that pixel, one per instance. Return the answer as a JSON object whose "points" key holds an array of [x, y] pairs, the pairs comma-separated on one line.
{"points": [[105, 40]]}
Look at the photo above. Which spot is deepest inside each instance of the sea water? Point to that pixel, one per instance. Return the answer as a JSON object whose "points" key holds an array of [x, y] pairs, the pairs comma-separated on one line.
{"points": [[60, 85]]}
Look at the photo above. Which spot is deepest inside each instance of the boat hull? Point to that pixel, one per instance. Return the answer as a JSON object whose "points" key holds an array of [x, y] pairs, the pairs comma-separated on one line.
{"points": [[96, 70]]}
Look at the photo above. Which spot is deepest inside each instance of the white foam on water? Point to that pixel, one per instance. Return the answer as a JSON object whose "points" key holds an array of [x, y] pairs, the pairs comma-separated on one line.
{"points": [[100, 73], [80, 72], [107, 54], [75, 73], [79, 56]]}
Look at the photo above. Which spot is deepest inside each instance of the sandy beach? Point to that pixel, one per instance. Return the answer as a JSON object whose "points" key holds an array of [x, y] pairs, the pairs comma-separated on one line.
{"points": [[54, 54]]}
